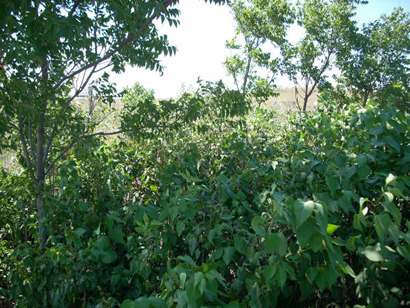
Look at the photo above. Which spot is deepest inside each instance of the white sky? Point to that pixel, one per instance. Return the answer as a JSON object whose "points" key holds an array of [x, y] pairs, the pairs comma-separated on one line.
{"points": [[200, 40]]}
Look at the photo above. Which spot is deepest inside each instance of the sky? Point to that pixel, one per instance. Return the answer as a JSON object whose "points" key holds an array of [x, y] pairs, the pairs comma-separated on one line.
{"points": [[200, 40]]}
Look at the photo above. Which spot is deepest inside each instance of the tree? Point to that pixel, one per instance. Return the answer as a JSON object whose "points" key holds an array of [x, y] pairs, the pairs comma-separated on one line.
{"points": [[260, 26], [263, 25], [326, 25], [50, 52], [378, 61]]}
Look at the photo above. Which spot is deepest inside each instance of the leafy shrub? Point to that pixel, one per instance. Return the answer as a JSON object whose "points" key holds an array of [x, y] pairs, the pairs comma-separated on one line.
{"points": [[259, 214]]}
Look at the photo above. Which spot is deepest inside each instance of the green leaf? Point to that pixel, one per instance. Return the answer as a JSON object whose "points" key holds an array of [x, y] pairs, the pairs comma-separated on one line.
{"points": [[373, 253], [104, 250], [180, 227], [202, 286], [326, 277], [228, 254], [187, 260], [258, 225], [80, 232], [390, 179], [128, 304], [281, 276], [182, 279], [197, 278], [117, 235], [269, 271], [392, 143], [305, 233], [331, 228], [149, 302], [303, 210], [240, 244], [382, 222], [276, 243], [108, 257], [333, 182], [390, 207], [347, 269]]}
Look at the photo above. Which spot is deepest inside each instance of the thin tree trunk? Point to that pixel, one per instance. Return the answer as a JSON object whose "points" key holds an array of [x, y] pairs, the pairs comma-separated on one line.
{"points": [[305, 101], [306, 96], [40, 164], [40, 180], [245, 80], [41, 215], [366, 97]]}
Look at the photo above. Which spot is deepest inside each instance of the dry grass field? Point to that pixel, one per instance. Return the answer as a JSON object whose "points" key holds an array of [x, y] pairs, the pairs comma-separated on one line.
{"points": [[285, 102]]}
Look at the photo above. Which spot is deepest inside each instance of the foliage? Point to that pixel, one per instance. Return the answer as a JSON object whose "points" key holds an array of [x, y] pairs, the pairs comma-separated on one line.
{"points": [[202, 200], [143, 117], [259, 23], [327, 26], [42, 72], [262, 214], [377, 63]]}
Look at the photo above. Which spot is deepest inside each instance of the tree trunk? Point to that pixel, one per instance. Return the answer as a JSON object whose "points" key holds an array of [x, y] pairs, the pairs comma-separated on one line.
{"points": [[306, 96], [40, 180], [305, 101], [366, 97], [246, 76], [41, 216], [40, 162]]}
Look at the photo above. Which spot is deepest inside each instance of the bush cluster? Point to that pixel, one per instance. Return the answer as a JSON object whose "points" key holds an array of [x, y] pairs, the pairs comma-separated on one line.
{"points": [[245, 214]]}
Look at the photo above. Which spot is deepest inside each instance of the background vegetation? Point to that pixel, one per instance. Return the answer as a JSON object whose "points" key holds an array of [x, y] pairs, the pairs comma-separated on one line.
{"points": [[212, 198]]}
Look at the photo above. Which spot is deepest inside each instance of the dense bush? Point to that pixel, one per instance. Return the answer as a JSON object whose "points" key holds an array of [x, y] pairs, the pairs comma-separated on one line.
{"points": [[260, 214]]}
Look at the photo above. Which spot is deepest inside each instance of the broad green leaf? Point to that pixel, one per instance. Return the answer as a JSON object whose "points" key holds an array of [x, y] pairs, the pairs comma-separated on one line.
{"points": [[202, 286], [258, 225], [390, 207], [392, 143], [331, 228], [305, 233], [149, 302], [108, 256], [128, 304], [180, 228], [347, 269], [228, 254], [303, 210], [333, 182], [116, 234], [197, 278], [182, 279], [276, 243], [326, 277], [240, 244], [382, 223], [281, 276], [80, 232], [186, 259], [269, 271], [373, 253], [390, 179]]}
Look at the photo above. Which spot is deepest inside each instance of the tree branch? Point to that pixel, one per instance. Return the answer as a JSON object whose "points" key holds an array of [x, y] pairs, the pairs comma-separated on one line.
{"points": [[75, 141], [76, 4], [123, 43]]}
